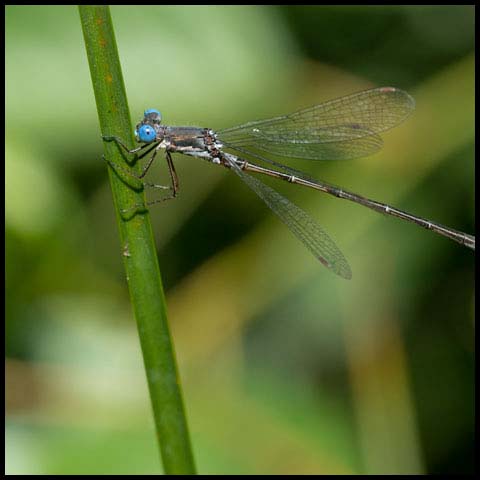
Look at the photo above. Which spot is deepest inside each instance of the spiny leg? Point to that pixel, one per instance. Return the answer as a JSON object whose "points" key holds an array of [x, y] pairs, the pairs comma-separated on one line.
{"points": [[147, 148], [116, 168], [174, 187], [109, 138], [145, 168], [173, 174], [173, 178], [171, 168], [149, 164]]}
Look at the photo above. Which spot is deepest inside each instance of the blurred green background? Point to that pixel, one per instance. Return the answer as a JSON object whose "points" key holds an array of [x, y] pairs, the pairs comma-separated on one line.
{"points": [[285, 367]]}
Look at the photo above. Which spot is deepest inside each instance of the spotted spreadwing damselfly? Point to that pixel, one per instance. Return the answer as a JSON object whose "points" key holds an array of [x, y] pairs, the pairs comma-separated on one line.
{"points": [[344, 128]]}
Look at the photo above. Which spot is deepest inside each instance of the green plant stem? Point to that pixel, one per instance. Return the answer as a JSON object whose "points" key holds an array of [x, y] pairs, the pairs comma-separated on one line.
{"points": [[138, 248]]}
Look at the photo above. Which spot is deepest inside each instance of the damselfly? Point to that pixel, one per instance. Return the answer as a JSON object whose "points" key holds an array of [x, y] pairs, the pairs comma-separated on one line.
{"points": [[343, 128]]}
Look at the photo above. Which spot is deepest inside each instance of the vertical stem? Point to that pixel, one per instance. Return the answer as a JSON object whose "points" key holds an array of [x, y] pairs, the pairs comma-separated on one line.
{"points": [[139, 254]]}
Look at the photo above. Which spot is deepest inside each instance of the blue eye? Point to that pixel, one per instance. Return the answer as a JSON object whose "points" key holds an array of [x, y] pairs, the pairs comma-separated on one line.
{"points": [[153, 115], [146, 134]]}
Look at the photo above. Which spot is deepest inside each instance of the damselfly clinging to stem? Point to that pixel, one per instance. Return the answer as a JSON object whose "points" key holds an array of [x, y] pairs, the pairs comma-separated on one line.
{"points": [[343, 128]]}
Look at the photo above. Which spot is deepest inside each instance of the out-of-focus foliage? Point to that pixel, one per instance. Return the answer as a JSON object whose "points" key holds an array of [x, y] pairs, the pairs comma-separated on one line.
{"points": [[285, 368]]}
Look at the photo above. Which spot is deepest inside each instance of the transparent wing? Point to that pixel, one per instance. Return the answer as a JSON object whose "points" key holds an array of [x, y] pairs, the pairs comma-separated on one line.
{"points": [[304, 227], [339, 150], [346, 127]]}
